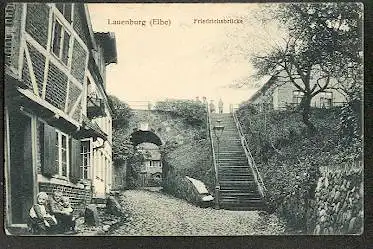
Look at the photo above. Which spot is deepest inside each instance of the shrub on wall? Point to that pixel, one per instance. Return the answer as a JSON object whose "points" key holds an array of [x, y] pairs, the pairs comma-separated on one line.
{"points": [[193, 112], [179, 186], [193, 159]]}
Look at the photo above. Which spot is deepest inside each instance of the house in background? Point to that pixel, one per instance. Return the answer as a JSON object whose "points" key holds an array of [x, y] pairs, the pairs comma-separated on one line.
{"points": [[57, 136], [151, 171], [280, 96]]}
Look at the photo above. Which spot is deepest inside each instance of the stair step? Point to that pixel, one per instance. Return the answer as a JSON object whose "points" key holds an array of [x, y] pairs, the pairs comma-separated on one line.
{"points": [[234, 171], [241, 202], [238, 202], [231, 194], [237, 183], [233, 166], [233, 163], [235, 178]]}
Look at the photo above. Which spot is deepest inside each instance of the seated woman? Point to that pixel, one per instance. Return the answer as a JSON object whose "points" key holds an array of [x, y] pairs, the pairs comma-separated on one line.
{"points": [[41, 221], [63, 216], [69, 223]]}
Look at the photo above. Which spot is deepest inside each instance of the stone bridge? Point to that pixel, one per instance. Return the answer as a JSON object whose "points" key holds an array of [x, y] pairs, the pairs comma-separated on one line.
{"points": [[157, 127]]}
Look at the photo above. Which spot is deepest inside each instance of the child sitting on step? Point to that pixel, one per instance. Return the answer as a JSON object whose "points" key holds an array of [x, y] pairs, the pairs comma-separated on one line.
{"points": [[40, 220], [69, 223]]}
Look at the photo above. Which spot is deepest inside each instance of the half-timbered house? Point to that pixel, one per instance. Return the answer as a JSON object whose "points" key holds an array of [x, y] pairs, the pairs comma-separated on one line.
{"points": [[54, 128]]}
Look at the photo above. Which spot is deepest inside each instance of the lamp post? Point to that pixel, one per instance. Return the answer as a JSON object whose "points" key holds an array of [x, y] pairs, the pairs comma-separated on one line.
{"points": [[218, 131]]}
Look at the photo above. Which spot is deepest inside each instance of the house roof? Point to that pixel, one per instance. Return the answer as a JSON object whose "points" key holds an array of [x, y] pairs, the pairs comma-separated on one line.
{"points": [[263, 88], [108, 43]]}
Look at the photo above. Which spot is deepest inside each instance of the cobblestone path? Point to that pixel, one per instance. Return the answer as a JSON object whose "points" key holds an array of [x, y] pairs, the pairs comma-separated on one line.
{"points": [[157, 214]]}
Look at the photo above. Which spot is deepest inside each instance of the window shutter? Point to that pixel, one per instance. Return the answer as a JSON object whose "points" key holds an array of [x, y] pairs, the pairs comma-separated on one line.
{"points": [[49, 166], [76, 161]]}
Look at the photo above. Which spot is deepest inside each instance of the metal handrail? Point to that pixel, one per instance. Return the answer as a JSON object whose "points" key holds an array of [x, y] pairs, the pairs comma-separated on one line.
{"points": [[250, 158], [217, 184]]}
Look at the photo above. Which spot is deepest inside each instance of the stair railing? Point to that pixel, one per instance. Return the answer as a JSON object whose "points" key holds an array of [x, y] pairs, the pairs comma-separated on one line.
{"points": [[250, 159], [217, 183]]}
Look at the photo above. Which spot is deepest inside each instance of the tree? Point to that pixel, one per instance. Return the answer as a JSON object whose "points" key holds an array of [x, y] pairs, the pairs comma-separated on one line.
{"points": [[121, 113], [322, 51], [124, 153]]}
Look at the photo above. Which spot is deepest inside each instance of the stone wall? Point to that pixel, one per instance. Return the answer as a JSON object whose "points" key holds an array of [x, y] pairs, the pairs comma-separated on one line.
{"points": [[338, 203], [335, 208]]}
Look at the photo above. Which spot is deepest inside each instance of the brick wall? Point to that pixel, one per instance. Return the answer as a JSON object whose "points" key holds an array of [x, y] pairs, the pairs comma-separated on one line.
{"points": [[38, 63], [79, 25], [78, 62], [79, 197], [74, 93], [56, 87], [26, 74], [37, 22], [10, 11]]}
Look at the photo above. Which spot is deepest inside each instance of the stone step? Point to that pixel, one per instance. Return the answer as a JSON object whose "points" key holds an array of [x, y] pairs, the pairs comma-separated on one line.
{"points": [[241, 202], [232, 157], [232, 152], [235, 178], [236, 184], [221, 166], [240, 170], [232, 162], [233, 165], [239, 205], [236, 175], [98, 200], [240, 197]]}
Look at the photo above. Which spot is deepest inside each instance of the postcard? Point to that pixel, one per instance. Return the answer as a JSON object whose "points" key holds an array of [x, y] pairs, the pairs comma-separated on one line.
{"points": [[205, 119]]}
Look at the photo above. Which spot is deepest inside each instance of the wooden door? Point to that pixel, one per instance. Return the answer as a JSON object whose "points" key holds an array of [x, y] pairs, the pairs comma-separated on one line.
{"points": [[21, 163]]}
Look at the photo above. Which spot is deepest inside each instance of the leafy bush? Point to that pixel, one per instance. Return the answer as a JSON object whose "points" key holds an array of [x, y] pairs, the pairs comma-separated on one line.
{"points": [[124, 153], [193, 160], [287, 156], [121, 113], [180, 187], [193, 112]]}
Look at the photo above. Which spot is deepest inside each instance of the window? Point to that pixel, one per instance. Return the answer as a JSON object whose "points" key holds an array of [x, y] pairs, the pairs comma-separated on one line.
{"points": [[86, 159], [61, 42], [65, 9], [326, 99], [62, 158], [155, 163], [297, 97]]}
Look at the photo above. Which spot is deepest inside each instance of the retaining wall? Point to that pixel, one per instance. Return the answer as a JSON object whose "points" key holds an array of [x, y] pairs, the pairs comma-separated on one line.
{"points": [[336, 207]]}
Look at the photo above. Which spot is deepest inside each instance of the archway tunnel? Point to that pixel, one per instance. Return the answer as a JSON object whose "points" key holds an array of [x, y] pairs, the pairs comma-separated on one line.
{"points": [[140, 136]]}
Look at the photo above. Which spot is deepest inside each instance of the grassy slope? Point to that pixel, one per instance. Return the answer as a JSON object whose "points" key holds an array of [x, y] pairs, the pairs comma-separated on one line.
{"points": [[283, 151]]}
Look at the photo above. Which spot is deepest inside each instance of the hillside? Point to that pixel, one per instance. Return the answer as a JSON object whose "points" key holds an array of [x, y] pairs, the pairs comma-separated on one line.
{"points": [[292, 162]]}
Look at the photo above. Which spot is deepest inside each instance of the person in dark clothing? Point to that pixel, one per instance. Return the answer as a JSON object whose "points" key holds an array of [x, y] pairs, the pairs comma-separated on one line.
{"points": [[69, 220], [55, 206], [212, 106]]}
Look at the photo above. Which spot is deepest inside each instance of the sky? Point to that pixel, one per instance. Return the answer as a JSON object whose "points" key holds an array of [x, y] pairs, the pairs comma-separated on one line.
{"points": [[183, 60]]}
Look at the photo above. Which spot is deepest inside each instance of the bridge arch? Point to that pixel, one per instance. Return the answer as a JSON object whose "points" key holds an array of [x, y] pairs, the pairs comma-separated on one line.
{"points": [[140, 136]]}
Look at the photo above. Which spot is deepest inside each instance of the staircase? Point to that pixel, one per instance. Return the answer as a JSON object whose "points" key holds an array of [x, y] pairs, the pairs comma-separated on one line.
{"points": [[238, 187]]}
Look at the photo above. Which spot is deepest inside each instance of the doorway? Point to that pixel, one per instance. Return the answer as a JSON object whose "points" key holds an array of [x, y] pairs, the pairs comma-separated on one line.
{"points": [[20, 167]]}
